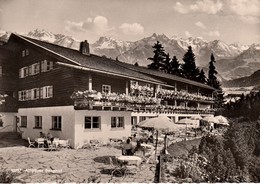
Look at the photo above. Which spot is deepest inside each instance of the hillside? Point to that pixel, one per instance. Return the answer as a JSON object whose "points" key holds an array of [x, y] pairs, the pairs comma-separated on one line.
{"points": [[252, 80]]}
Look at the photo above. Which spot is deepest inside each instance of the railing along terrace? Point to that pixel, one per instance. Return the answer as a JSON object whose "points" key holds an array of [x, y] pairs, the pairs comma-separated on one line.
{"points": [[182, 95], [101, 101]]}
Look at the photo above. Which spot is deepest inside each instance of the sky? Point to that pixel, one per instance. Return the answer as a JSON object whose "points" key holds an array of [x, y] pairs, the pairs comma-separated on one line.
{"points": [[232, 21]]}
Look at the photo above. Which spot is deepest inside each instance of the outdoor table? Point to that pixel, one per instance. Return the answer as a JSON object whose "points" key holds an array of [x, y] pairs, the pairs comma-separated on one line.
{"points": [[130, 159]]}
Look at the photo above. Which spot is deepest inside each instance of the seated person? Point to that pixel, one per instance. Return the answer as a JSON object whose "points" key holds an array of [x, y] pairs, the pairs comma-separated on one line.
{"points": [[50, 137], [139, 150], [134, 139], [127, 148], [150, 139], [42, 135]]}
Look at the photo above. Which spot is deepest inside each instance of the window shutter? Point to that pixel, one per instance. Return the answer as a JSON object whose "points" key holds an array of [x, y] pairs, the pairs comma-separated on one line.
{"points": [[19, 95], [41, 92]]}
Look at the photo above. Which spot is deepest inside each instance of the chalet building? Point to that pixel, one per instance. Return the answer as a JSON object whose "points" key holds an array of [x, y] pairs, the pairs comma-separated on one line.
{"points": [[76, 95]]}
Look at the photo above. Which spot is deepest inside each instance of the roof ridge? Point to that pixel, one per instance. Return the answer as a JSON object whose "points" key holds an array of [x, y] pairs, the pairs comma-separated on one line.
{"points": [[30, 41]]}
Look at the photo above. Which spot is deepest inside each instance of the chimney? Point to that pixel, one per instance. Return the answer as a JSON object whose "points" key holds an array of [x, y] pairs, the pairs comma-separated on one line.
{"points": [[84, 48]]}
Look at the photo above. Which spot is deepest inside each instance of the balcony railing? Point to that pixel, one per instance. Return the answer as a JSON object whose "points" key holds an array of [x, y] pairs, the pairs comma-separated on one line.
{"points": [[103, 101], [182, 95]]}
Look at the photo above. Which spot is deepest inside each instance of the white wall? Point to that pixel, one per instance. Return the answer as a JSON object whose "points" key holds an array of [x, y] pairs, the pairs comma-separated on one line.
{"points": [[83, 135], [68, 118], [8, 122]]}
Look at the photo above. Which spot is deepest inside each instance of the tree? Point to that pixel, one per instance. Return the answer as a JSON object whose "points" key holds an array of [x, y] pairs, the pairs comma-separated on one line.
{"points": [[175, 66], [136, 64], [167, 66], [189, 65], [213, 81], [201, 77], [158, 58], [221, 165]]}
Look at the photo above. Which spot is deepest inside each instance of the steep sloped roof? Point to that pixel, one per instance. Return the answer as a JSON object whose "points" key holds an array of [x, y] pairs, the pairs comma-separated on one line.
{"points": [[164, 75], [94, 62]]}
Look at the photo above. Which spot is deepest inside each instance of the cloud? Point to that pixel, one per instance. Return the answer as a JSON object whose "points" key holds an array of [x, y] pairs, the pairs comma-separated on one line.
{"points": [[213, 33], [181, 8], [247, 10], [132, 29], [99, 25], [201, 25], [187, 33], [245, 7], [201, 6]]}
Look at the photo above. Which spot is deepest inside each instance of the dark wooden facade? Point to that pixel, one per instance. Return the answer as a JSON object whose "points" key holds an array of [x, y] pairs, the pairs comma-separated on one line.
{"points": [[65, 80]]}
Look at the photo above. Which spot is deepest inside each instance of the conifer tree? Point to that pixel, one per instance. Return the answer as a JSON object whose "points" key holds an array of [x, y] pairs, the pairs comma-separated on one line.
{"points": [[201, 77], [175, 66], [213, 81], [189, 65], [136, 64], [158, 58], [167, 66]]}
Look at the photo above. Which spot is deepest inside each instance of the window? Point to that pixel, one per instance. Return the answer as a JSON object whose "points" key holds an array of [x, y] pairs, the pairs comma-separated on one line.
{"points": [[92, 122], [106, 88], [46, 92], [117, 122], [25, 52], [30, 70], [23, 72], [46, 65], [142, 118], [1, 71], [35, 68], [38, 121], [24, 121], [35, 93], [56, 122], [22, 95]]}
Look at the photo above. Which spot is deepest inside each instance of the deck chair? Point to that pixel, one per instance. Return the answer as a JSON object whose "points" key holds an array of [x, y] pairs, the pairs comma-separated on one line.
{"points": [[31, 144]]}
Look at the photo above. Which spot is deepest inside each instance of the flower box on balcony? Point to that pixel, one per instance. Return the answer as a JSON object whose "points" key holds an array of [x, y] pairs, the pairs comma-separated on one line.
{"points": [[122, 108], [116, 108], [107, 108], [97, 108]]}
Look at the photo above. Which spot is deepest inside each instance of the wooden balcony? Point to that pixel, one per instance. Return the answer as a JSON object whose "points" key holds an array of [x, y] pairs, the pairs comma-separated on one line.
{"points": [[83, 104]]}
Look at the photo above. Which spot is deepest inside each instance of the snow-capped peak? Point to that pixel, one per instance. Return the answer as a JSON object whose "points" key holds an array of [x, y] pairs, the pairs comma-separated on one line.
{"points": [[42, 35], [110, 43]]}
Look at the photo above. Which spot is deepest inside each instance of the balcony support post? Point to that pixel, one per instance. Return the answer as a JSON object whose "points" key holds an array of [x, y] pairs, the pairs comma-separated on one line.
{"points": [[89, 82], [126, 87]]}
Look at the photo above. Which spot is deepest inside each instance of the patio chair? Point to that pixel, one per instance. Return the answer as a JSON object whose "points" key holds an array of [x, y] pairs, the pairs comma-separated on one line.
{"points": [[115, 169], [31, 144], [51, 147], [40, 142], [94, 144], [131, 168], [64, 143]]}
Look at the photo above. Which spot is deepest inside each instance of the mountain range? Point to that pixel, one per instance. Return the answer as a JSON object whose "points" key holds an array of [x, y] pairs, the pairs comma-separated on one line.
{"points": [[233, 60]]}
